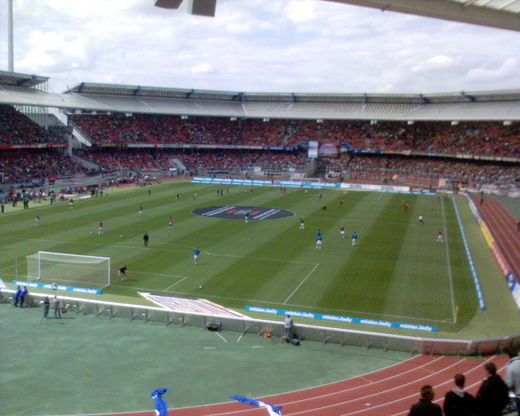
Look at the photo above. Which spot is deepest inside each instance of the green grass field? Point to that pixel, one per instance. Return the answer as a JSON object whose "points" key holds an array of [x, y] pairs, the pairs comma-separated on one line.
{"points": [[397, 272]]}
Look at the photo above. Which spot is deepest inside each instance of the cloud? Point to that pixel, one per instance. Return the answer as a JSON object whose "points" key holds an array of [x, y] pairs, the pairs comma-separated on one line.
{"points": [[435, 63], [300, 11], [508, 70], [201, 68], [258, 45]]}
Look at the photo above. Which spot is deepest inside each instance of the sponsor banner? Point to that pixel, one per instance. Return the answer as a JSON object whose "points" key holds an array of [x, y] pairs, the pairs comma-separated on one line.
{"points": [[328, 150], [312, 152], [56, 286], [476, 281], [487, 234], [346, 319], [226, 181], [198, 146], [473, 208], [371, 187], [514, 287], [307, 184], [499, 257], [310, 184], [33, 146]]}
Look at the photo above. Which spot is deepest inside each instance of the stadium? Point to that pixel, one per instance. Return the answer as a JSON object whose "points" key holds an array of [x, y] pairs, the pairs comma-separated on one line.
{"points": [[166, 234]]}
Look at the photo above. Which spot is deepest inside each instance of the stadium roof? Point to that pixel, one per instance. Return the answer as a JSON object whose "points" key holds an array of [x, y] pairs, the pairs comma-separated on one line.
{"points": [[484, 105], [21, 80], [504, 14]]}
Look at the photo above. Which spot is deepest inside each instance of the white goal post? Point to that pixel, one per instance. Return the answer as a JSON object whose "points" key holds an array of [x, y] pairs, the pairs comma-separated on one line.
{"points": [[69, 269]]}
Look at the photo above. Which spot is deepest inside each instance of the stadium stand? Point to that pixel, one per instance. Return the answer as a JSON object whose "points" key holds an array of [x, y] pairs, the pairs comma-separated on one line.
{"points": [[17, 129], [483, 138], [353, 167], [19, 166], [194, 160]]}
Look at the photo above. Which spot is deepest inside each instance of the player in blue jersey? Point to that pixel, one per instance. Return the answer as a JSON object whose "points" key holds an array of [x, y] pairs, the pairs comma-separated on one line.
{"points": [[354, 239], [319, 239], [246, 217], [196, 254]]}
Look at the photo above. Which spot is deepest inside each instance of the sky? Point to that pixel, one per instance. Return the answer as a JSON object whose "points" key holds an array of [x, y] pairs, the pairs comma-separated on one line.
{"points": [[257, 45]]}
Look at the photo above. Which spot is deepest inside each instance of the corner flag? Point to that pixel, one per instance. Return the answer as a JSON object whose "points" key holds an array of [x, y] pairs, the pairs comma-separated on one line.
{"points": [[271, 409]]}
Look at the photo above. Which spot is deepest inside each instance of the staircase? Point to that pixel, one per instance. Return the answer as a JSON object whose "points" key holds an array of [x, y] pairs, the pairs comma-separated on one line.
{"points": [[76, 133]]}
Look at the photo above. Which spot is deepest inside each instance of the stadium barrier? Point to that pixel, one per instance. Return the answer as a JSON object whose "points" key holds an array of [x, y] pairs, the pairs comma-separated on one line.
{"points": [[274, 329]]}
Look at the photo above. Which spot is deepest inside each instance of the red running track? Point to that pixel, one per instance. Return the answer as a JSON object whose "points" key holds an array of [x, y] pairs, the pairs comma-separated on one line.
{"points": [[386, 392], [503, 227]]}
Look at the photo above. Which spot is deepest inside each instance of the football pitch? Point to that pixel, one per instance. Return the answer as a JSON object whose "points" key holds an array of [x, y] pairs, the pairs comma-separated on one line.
{"points": [[397, 271]]}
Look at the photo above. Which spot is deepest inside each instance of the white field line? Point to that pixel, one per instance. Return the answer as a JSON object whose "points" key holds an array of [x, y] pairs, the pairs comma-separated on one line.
{"points": [[301, 283], [176, 283], [163, 249], [448, 261], [156, 274], [148, 289]]}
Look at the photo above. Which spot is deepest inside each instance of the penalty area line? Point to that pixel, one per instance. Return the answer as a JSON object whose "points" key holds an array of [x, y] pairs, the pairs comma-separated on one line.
{"points": [[175, 284], [301, 283]]}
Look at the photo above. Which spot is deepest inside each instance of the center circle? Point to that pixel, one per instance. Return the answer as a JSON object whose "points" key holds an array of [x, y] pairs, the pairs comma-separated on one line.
{"points": [[239, 212]]}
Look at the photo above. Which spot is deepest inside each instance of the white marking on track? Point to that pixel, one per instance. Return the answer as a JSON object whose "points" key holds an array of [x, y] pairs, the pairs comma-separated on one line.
{"points": [[223, 339]]}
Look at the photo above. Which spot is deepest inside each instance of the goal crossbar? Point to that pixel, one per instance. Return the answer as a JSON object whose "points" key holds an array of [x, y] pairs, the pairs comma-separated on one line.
{"points": [[73, 255]]}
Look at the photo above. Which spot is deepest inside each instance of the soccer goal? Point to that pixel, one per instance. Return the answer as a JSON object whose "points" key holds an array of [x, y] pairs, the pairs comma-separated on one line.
{"points": [[69, 269]]}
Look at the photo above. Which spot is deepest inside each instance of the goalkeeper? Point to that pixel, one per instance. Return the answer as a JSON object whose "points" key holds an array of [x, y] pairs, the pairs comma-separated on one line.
{"points": [[122, 272]]}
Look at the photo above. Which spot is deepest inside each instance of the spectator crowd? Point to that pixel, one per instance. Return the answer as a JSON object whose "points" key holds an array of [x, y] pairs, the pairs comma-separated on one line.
{"points": [[481, 140], [23, 166], [475, 138], [18, 129], [495, 396], [353, 165], [195, 160]]}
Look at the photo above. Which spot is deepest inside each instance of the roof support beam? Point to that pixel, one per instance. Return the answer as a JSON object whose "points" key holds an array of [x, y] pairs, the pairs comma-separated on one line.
{"points": [[447, 10]]}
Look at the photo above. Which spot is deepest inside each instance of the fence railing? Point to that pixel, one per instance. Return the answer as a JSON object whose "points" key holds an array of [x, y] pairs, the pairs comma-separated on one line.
{"points": [[261, 327]]}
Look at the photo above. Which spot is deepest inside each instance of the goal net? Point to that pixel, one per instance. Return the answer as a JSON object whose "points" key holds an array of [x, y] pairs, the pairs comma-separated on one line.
{"points": [[69, 269]]}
